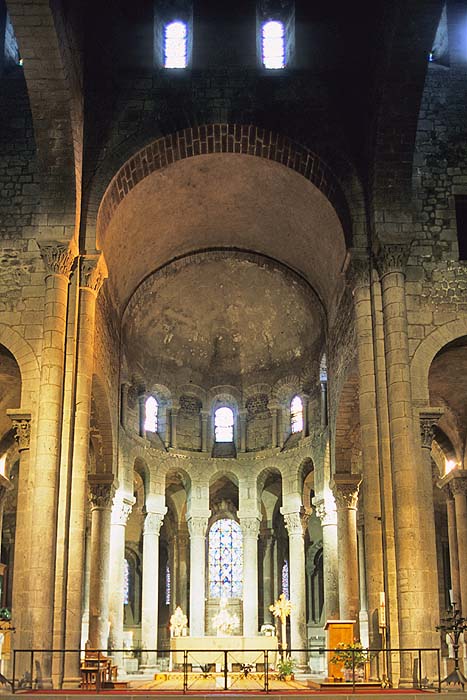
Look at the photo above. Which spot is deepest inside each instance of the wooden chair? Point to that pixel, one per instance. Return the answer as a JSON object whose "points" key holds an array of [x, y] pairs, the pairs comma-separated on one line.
{"points": [[97, 669]]}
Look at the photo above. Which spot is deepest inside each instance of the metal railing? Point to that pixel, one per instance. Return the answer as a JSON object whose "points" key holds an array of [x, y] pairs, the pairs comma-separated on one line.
{"points": [[209, 669]]}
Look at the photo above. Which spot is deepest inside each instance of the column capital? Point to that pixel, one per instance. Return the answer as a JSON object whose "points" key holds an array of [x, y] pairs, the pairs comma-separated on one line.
{"points": [[295, 522], [21, 421], [325, 512], [345, 489], [357, 273], [197, 525], [101, 491], [121, 509], [153, 523], [58, 256], [392, 257], [457, 480], [250, 527], [93, 272], [428, 421]]}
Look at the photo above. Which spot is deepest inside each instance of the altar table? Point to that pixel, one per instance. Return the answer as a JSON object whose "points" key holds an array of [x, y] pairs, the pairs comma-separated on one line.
{"points": [[242, 650]]}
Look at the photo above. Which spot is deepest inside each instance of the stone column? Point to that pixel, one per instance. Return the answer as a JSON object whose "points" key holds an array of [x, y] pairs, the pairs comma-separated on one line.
{"points": [[358, 278], [21, 421], [294, 523], [306, 409], [101, 493], [58, 259], [182, 588], [415, 561], [457, 480], [197, 526], [345, 489], [250, 530], [242, 414], [150, 595], [267, 537], [204, 430], [142, 413], [363, 614], [274, 411], [121, 510], [326, 512], [173, 425], [453, 547], [324, 404], [92, 274]]}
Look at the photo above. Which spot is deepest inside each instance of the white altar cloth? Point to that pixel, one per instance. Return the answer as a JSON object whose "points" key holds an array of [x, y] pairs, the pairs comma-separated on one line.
{"points": [[242, 650]]}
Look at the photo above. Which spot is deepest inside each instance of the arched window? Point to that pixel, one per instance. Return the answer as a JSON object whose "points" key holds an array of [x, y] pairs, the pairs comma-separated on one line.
{"points": [[151, 415], [223, 424], [225, 559], [126, 582], [296, 415], [273, 44], [285, 579], [175, 45], [167, 584]]}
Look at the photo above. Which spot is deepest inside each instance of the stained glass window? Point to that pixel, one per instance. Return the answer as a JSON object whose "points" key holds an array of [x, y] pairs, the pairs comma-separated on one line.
{"points": [[225, 559], [126, 582], [285, 579], [273, 44], [296, 415], [223, 424], [175, 45], [167, 584], [151, 414]]}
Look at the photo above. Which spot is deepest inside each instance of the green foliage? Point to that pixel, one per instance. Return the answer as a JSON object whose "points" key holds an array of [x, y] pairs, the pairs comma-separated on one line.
{"points": [[285, 667], [343, 654]]}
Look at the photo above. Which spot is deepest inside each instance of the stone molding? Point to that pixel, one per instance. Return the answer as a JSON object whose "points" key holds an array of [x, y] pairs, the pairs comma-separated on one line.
{"points": [[197, 526], [101, 491], [392, 258], [345, 488], [58, 257], [93, 272], [21, 422], [121, 510], [250, 527], [153, 523], [428, 422]]}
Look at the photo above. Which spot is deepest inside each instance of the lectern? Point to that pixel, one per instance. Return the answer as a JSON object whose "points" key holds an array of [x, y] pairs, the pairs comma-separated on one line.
{"points": [[337, 632]]}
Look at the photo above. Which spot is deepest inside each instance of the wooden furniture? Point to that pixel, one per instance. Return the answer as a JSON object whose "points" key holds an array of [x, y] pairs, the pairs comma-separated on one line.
{"points": [[337, 632], [97, 670]]}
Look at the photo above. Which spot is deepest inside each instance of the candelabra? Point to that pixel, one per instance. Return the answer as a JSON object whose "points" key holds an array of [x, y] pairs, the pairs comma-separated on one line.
{"points": [[454, 625]]}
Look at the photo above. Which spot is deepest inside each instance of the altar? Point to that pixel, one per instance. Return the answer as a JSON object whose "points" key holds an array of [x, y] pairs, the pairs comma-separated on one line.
{"points": [[210, 650]]}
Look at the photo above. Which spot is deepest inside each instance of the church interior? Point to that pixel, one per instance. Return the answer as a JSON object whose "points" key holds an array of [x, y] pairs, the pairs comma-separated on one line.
{"points": [[233, 329]]}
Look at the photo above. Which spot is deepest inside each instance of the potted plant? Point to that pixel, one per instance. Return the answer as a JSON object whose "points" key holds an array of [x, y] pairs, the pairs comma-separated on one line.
{"points": [[352, 657], [285, 668]]}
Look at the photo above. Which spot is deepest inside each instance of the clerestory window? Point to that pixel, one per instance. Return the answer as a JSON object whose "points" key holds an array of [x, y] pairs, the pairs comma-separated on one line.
{"points": [[273, 44], [296, 415], [151, 415], [224, 424], [175, 45]]}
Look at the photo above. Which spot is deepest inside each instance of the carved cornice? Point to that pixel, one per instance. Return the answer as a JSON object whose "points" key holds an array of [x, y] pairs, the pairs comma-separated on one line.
{"points": [[428, 422], [357, 273], [58, 257], [250, 527], [21, 422], [153, 523], [93, 272], [345, 489], [392, 258], [197, 526], [101, 491]]}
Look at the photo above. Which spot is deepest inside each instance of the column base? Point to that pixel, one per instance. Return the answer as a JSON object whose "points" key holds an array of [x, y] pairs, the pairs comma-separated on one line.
{"points": [[71, 683]]}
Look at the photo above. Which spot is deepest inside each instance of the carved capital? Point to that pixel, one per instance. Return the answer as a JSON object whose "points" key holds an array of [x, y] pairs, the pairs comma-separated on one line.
{"points": [[392, 258], [121, 510], [428, 421], [458, 485], [250, 527], [197, 526], [324, 512], [93, 272], [101, 491], [345, 489], [358, 273], [153, 523], [58, 257], [22, 426], [293, 523]]}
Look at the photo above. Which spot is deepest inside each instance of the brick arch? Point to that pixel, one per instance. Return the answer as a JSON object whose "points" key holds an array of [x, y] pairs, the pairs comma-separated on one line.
{"points": [[225, 138], [27, 361], [425, 353]]}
